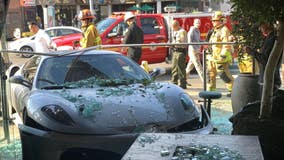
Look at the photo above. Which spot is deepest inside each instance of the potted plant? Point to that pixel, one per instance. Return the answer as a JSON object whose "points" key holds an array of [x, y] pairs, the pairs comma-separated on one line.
{"points": [[263, 118], [246, 88]]}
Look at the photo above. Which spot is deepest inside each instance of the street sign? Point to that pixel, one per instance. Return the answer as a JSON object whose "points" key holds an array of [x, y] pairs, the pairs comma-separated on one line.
{"points": [[170, 9]]}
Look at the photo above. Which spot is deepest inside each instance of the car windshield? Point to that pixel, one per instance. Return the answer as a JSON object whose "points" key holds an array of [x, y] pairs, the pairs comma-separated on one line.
{"points": [[89, 71], [104, 24]]}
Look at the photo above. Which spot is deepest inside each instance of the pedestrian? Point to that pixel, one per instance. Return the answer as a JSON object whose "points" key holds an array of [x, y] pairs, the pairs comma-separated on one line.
{"points": [[179, 55], [91, 36], [194, 50], [42, 40], [133, 35], [75, 21], [269, 34], [219, 60], [39, 23]]}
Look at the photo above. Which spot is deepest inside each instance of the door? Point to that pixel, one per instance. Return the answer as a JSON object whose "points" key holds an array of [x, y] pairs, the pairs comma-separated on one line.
{"points": [[154, 32]]}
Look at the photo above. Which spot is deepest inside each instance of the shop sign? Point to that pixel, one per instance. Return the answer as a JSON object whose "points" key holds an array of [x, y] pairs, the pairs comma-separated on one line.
{"points": [[26, 3], [69, 2]]}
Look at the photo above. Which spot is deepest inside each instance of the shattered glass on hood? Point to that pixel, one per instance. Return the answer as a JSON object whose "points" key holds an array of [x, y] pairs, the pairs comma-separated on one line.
{"points": [[103, 85], [87, 105]]}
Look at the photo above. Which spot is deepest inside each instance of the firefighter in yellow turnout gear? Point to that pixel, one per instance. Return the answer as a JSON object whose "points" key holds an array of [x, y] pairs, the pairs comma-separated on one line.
{"points": [[91, 36], [218, 62]]}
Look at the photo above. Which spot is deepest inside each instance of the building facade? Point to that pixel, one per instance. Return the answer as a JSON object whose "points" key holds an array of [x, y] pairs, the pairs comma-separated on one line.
{"points": [[62, 12]]}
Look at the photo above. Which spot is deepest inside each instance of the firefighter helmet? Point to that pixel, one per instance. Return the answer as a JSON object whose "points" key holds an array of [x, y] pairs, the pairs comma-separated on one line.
{"points": [[85, 14], [218, 16]]}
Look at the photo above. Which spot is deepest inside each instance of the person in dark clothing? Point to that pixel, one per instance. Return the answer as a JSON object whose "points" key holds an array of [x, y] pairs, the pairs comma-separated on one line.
{"points": [[262, 56], [179, 55], [134, 35]]}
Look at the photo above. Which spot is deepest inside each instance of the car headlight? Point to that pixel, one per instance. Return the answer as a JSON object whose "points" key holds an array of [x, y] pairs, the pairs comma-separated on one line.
{"points": [[187, 102], [57, 113]]}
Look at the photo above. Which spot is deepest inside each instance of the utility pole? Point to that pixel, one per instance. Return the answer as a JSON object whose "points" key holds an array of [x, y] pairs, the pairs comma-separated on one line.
{"points": [[4, 4], [45, 5], [159, 6], [91, 6]]}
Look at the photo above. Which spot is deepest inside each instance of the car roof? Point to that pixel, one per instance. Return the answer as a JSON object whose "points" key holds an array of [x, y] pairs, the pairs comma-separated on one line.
{"points": [[64, 27], [86, 52]]}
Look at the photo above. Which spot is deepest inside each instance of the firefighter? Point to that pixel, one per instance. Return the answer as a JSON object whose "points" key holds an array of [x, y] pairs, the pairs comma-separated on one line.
{"points": [[91, 36], [133, 35], [220, 59]]}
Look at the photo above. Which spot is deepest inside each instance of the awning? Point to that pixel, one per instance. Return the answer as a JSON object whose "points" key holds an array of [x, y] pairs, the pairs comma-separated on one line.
{"points": [[134, 8], [146, 7]]}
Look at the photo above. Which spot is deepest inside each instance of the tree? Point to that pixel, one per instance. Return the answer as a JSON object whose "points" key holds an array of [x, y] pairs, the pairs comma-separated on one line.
{"points": [[4, 61], [249, 14]]}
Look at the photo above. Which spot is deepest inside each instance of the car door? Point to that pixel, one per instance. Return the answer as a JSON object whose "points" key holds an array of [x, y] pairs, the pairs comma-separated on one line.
{"points": [[67, 40], [65, 36], [21, 92], [115, 36], [154, 29]]}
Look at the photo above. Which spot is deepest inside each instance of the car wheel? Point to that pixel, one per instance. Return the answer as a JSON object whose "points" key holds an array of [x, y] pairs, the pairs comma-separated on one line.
{"points": [[26, 49]]}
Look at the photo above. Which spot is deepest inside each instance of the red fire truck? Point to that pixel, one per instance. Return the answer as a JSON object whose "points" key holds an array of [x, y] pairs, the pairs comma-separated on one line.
{"points": [[156, 30]]}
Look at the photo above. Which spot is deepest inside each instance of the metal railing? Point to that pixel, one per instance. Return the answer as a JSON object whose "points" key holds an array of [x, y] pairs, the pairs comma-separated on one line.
{"points": [[59, 53]]}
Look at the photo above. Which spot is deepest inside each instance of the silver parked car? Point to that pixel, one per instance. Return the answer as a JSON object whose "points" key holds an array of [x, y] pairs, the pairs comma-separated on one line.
{"points": [[92, 104]]}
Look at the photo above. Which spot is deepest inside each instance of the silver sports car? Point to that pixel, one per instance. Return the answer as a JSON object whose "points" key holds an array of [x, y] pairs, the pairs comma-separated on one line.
{"points": [[92, 104]]}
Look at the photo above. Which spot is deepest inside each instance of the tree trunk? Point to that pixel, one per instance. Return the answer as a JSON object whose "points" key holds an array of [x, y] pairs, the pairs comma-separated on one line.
{"points": [[266, 99]]}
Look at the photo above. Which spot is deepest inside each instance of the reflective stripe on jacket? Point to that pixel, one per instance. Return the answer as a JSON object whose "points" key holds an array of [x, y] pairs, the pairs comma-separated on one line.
{"points": [[221, 52]]}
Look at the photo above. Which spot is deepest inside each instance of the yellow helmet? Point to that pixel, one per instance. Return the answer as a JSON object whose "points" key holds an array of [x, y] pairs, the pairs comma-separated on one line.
{"points": [[218, 16]]}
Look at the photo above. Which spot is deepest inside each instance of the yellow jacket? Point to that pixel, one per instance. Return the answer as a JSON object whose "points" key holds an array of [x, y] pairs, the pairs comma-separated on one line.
{"points": [[91, 36], [221, 53]]}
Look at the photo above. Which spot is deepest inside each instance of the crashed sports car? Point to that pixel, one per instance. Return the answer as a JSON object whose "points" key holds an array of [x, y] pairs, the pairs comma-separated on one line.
{"points": [[92, 104]]}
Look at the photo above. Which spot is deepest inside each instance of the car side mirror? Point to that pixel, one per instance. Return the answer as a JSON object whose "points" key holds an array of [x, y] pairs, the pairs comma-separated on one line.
{"points": [[20, 80], [110, 35], [157, 72]]}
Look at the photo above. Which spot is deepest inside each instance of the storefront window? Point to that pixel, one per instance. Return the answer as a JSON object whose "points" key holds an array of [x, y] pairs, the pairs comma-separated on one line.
{"points": [[64, 15]]}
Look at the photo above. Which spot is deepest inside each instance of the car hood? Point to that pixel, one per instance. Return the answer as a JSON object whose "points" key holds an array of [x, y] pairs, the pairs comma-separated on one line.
{"points": [[21, 40], [15, 44], [112, 110]]}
